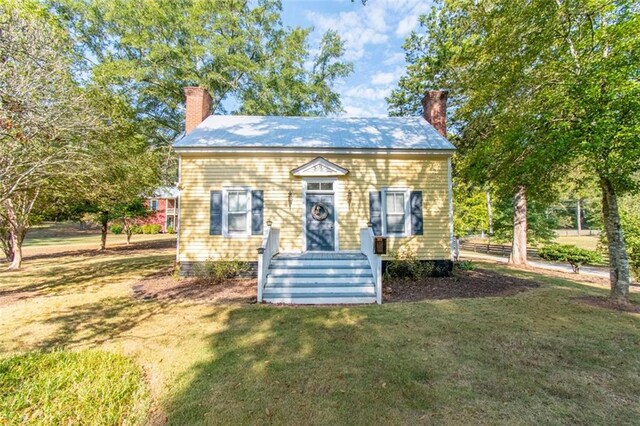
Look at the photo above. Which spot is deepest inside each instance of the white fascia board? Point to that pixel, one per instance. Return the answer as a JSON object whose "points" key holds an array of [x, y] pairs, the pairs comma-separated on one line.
{"points": [[372, 151]]}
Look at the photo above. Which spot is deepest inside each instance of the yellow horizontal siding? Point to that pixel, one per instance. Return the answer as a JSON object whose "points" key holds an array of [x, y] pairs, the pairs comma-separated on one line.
{"points": [[203, 173]]}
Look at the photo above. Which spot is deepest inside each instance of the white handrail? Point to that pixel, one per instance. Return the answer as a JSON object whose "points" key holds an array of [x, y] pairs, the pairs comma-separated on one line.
{"points": [[269, 248], [367, 248]]}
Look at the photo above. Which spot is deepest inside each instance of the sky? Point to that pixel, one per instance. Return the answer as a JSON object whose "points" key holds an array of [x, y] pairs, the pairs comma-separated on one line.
{"points": [[373, 36]]}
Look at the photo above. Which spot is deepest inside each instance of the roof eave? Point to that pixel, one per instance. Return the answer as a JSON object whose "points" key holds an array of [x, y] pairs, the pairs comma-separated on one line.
{"points": [[313, 150]]}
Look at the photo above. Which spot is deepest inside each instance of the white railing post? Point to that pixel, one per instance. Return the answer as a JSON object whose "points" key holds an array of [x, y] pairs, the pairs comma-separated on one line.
{"points": [[375, 261], [269, 248]]}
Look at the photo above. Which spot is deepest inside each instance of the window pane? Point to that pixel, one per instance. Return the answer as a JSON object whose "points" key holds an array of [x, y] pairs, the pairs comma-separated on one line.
{"points": [[326, 186], [233, 201], [313, 186], [242, 201], [395, 223], [399, 203], [390, 203], [237, 222]]}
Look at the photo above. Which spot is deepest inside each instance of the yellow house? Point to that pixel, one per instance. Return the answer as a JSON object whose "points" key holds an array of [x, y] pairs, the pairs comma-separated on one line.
{"points": [[304, 198]]}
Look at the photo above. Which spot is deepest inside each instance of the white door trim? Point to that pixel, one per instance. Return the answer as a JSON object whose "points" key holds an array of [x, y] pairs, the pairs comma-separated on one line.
{"points": [[336, 196]]}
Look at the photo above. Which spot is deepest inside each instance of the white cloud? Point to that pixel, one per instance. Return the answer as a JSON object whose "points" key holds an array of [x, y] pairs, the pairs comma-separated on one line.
{"points": [[406, 25], [394, 58], [369, 110], [353, 29], [361, 91], [383, 78]]}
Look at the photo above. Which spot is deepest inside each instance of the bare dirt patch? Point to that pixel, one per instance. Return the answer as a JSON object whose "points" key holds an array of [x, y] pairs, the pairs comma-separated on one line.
{"points": [[603, 302], [164, 286], [464, 284]]}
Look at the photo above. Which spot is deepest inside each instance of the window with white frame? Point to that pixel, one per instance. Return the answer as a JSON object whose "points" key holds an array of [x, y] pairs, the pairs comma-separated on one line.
{"points": [[153, 205], [395, 204], [236, 212]]}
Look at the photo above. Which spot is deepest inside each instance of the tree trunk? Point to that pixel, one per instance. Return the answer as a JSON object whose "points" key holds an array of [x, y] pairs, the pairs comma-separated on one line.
{"points": [[489, 213], [579, 215], [519, 246], [618, 260], [16, 243], [105, 227], [129, 236]]}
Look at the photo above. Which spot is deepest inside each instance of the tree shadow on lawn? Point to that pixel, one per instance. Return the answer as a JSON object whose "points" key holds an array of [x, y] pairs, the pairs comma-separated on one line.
{"points": [[98, 322], [530, 357], [123, 248], [78, 274]]}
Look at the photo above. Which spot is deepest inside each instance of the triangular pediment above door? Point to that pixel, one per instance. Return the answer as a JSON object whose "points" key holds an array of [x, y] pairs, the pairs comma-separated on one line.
{"points": [[319, 167]]}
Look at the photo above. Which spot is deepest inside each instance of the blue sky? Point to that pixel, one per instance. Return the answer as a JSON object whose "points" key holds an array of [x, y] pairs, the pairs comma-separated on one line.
{"points": [[373, 36]]}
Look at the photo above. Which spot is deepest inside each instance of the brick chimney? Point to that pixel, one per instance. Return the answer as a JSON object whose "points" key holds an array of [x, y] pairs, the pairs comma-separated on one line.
{"points": [[434, 109], [198, 107]]}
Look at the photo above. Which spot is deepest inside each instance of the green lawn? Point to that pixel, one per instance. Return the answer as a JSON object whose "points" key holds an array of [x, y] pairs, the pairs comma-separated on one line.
{"points": [[537, 357], [65, 234], [71, 388], [589, 242]]}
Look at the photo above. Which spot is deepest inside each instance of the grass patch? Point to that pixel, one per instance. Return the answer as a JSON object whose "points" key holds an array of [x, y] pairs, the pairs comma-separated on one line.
{"points": [[61, 387]]}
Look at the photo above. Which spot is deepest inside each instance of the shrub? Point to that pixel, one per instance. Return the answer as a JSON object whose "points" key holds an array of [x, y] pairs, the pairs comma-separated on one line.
{"points": [[465, 265], [575, 256], [170, 230], [116, 228], [216, 272], [151, 228], [136, 229], [405, 263]]}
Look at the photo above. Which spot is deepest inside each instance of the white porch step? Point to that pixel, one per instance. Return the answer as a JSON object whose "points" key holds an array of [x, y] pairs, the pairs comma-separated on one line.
{"points": [[320, 299], [319, 263], [360, 290], [276, 272], [320, 279]]}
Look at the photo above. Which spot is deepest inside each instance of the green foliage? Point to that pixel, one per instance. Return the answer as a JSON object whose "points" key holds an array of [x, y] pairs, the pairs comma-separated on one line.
{"points": [[149, 51], [405, 264], [87, 387], [116, 229], [470, 210], [465, 265], [170, 230], [286, 87], [217, 271], [575, 256], [136, 229], [151, 228]]}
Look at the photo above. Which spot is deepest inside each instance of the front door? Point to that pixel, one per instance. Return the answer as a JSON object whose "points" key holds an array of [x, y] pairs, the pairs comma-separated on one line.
{"points": [[320, 222]]}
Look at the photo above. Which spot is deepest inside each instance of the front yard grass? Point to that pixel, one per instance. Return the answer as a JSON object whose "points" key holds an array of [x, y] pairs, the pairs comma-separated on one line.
{"points": [[87, 387], [539, 356]]}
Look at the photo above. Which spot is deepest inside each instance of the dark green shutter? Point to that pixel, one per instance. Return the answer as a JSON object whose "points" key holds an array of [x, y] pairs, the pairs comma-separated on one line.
{"points": [[257, 204], [215, 213], [415, 206], [375, 211]]}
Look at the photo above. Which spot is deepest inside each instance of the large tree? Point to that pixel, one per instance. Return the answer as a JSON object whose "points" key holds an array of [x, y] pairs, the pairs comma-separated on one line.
{"points": [[539, 87], [46, 120], [149, 50]]}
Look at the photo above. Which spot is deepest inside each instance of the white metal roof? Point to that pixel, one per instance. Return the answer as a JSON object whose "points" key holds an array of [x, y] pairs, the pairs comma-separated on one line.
{"points": [[241, 131], [166, 192]]}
